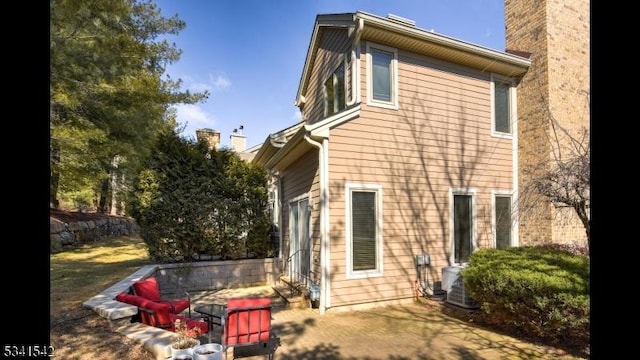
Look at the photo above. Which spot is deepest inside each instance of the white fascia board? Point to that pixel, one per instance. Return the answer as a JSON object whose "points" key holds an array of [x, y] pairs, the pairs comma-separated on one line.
{"points": [[442, 39], [286, 148], [321, 128], [345, 20], [317, 130], [272, 142], [266, 144]]}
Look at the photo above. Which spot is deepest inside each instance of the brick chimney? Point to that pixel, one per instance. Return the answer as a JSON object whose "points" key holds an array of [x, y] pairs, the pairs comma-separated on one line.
{"points": [[210, 136]]}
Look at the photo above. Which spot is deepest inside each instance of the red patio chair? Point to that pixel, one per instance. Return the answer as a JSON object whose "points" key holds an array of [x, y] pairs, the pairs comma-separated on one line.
{"points": [[158, 314], [246, 326], [148, 288]]}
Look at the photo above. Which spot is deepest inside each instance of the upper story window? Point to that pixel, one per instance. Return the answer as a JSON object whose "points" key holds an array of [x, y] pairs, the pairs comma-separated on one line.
{"points": [[334, 94], [382, 79], [503, 106]]}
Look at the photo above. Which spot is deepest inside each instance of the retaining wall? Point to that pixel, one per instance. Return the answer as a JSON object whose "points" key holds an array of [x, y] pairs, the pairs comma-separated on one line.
{"points": [[65, 235], [175, 279]]}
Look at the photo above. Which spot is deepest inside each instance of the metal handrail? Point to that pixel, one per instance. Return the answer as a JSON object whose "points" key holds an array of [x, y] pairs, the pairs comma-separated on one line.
{"points": [[294, 290], [295, 253]]}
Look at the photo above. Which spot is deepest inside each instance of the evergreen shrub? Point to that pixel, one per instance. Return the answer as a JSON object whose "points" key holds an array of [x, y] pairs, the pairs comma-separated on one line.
{"points": [[191, 201], [542, 292]]}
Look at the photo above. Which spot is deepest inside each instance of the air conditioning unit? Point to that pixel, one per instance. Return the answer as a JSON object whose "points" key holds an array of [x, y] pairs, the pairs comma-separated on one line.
{"points": [[454, 286]]}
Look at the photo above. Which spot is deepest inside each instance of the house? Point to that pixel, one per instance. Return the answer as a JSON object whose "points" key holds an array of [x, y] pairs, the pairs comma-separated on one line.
{"points": [[237, 140], [406, 152]]}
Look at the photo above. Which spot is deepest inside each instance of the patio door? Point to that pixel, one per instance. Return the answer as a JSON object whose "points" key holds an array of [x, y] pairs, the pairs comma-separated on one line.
{"points": [[300, 241]]}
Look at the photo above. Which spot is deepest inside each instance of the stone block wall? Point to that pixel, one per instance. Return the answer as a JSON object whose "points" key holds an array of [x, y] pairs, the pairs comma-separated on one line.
{"points": [[64, 235], [175, 279]]}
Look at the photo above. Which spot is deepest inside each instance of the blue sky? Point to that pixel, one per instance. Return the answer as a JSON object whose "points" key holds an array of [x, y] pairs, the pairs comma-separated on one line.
{"points": [[249, 54]]}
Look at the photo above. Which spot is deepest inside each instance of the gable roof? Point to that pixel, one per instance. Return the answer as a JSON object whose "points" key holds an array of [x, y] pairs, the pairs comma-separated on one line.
{"points": [[283, 147], [275, 142], [402, 33]]}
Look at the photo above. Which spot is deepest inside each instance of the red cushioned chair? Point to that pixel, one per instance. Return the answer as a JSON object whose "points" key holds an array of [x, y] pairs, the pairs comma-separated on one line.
{"points": [[148, 288], [246, 327], [158, 314]]}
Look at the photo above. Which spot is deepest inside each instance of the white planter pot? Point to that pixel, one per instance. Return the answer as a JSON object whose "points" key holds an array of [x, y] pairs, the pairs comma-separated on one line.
{"points": [[179, 353], [207, 352]]}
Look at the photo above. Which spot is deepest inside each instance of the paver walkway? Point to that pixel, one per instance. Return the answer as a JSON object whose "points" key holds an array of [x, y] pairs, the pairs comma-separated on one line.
{"points": [[413, 331]]}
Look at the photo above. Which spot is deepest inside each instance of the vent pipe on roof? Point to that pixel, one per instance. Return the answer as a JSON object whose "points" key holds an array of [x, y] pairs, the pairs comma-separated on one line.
{"points": [[401, 20]]}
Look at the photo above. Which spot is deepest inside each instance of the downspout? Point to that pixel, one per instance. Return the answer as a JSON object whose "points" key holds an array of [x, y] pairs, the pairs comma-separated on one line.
{"points": [[278, 203], [355, 64], [516, 165], [323, 152]]}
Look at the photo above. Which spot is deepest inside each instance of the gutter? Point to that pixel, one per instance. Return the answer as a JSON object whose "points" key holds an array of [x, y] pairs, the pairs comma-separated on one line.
{"points": [[441, 39], [325, 271]]}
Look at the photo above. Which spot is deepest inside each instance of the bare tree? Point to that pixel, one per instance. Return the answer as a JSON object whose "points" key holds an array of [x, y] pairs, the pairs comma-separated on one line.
{"points": [[563, 178]]}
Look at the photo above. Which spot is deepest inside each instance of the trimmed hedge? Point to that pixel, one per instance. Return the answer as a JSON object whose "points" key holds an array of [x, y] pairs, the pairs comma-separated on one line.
{"points": [[191, 201], [538, 291]]}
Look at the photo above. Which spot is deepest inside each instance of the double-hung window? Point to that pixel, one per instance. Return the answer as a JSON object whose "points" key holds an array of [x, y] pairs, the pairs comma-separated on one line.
{"points": [[503, 102], [363, 204], [382, 79], [334, 93], [502, 220], [462, 224]]}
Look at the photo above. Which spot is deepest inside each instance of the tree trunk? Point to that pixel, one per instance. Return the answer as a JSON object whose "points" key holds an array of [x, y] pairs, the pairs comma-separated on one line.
{"points": [[104, 202], [115, 186], [53, 190], [54, 181]]}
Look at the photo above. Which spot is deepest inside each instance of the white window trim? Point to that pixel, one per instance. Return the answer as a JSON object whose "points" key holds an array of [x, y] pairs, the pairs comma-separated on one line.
{"points": [[505, 193], [295, 201], [393, 104], [474, 217], [379, 241], [335, 83], [512, 107], [300, 197], [326, 100], [355, 76]]}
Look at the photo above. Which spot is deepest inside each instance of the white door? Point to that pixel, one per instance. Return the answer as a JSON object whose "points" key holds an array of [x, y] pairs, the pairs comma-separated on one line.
{"points": [[300, 239]]}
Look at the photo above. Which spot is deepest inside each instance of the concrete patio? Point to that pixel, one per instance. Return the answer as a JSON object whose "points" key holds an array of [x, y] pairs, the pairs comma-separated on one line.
{"points": [[413, 331]]}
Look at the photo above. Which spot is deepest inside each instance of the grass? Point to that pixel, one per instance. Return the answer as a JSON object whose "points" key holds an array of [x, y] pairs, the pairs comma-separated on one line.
{"points": [[77, 275]]}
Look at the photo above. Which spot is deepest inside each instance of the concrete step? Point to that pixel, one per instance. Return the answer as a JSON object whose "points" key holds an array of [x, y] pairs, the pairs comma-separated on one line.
{"points": [[291, 299]]}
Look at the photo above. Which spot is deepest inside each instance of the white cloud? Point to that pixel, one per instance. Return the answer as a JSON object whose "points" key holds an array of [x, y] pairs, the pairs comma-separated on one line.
{"points": [[193, 116], [220, 81], [200, 87]]}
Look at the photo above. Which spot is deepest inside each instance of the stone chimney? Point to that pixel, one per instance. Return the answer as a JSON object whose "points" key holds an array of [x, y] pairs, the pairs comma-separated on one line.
{"points": [[210, 136], [238, 140]]}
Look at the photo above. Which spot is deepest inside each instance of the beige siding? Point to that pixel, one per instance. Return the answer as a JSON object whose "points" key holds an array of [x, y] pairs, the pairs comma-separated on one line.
{"points": [[438, 139], [299, 178], [334, 44]]}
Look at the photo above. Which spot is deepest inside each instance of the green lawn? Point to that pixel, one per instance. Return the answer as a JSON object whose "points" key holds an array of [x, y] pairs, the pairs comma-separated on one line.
{"points": [[77, 275]]}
